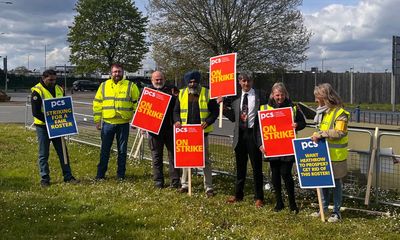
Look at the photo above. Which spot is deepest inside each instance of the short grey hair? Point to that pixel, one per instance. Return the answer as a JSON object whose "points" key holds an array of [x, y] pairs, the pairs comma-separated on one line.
{"points": [[245, 75]]}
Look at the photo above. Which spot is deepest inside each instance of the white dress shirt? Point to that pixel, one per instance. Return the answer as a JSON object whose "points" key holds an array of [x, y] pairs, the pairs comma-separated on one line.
{"points": [[251, 97]]}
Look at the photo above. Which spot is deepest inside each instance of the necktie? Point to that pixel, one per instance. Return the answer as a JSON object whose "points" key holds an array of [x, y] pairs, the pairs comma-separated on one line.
{"points": [[244, 112]]}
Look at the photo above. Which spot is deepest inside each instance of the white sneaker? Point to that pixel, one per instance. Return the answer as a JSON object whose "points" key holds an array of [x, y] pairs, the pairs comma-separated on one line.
{"points": [[335, 217], [318, 214]]}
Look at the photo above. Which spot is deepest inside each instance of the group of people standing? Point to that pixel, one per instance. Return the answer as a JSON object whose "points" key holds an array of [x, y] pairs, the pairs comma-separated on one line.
{"points": [[116, 100]]}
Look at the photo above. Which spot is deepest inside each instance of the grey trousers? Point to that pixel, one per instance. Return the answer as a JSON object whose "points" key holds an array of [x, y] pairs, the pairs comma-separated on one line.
{"points": [[207, 170]]}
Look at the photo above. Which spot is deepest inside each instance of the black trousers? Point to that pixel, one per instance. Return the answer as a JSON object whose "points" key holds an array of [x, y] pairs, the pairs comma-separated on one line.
{"points": [[156, 145], [246, 148], [283, 169]]}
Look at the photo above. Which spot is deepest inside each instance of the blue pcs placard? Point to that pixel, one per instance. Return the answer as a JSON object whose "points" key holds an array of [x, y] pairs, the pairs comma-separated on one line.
{"points": [[59, 116], [313, 163]]}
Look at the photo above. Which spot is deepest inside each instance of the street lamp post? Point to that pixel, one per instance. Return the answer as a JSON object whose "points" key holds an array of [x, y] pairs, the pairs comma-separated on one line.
{"points": [[28, 60], [5, 58], [45, 56], [351, 85], [5, 72], [315, 78], [393, 91]]}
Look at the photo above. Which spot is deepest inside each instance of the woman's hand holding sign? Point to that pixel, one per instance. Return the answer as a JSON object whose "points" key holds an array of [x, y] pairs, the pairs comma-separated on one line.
{"points": [[262, 149]]}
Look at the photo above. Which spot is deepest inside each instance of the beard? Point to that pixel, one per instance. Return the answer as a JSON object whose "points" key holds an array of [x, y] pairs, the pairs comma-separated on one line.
{"points": [[117, 77], [195, 90], [158, 85]]}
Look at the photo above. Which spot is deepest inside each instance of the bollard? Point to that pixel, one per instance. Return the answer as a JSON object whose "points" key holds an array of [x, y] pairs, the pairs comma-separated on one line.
{"points": [[357, 111]]}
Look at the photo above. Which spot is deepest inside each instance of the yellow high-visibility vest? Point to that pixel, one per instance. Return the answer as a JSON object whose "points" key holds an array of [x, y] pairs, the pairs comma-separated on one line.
{"points": [[45, 94], [115, 102], [337, 148], [203, 106], [268, 107]]}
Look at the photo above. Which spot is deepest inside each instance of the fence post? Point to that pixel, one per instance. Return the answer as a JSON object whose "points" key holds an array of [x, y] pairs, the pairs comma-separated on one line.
{"points": [[377, 167]]}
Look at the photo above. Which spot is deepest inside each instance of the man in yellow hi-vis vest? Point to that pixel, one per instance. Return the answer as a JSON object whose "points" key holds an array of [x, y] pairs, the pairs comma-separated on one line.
{"points": [[114, 104], [45, 89], [194, 106]]}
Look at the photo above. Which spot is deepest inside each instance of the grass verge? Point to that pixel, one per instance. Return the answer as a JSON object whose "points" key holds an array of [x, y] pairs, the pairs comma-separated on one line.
{"points": [[133, 209]]}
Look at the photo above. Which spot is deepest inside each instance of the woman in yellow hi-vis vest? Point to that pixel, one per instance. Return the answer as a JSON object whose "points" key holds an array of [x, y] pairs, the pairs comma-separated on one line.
{"points": [[331, 120], [281, 167]]}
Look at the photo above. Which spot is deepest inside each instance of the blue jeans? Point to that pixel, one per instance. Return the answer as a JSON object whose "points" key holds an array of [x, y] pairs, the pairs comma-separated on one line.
{"points": [[43, 161], [337, 196], [108, 131]]}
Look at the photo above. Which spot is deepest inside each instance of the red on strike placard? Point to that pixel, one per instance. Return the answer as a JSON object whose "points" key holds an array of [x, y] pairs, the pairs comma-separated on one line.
{"points": [[151, 110], [277, 131], [223, 75], [189, 146]]}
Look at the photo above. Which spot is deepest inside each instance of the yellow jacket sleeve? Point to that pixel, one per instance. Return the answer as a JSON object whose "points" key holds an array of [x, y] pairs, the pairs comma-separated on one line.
{"points": [[135, 93], [98, 104]]}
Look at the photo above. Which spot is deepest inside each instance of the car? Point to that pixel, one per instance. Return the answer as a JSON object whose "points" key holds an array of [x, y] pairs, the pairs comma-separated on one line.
{"points": [[83, 85]]}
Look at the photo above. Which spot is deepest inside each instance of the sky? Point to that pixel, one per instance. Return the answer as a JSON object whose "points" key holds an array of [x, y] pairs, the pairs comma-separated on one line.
{"points": [[345, 33]]}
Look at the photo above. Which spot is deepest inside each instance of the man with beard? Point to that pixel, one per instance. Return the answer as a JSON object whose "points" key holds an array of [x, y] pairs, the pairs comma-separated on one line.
{"points": [[194, 106], [164, 137], [114, 104]]}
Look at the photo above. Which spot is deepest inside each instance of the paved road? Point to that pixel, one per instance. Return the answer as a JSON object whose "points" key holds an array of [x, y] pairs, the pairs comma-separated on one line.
{"points": [[14, 111]]}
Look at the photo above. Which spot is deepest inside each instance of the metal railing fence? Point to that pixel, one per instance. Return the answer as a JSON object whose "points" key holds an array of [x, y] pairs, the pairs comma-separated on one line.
{"points": [[223, 158]]}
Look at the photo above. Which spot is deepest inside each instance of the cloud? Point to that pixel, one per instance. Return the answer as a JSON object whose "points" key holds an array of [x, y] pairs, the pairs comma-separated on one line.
{"points": [[30, 25], [58, 56], [358, 36]]}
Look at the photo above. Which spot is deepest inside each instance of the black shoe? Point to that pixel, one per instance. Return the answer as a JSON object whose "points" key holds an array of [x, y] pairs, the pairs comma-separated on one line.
{"points": [[210, 193], [159, 185], [99, 179], [279, 207], [44, 183], [175, 186], [72, 180], [294, 210], [183, 190]]}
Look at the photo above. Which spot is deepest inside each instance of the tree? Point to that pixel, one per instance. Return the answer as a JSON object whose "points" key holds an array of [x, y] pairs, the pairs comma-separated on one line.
{"points": [[107, 32], [21, 70], [266, 34]]}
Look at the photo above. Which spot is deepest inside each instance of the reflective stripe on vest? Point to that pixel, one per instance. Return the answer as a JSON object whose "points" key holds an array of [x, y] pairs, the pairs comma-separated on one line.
{"points": [[337, 148], [203, 106], [116, 102], [45, 94], [268, 107]]}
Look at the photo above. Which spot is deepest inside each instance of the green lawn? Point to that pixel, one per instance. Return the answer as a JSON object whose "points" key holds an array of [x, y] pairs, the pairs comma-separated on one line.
{"points": [[133, 209]]}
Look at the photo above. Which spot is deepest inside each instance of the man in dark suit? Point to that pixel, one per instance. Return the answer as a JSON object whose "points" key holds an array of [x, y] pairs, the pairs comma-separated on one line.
{"points": [[247, 137]]}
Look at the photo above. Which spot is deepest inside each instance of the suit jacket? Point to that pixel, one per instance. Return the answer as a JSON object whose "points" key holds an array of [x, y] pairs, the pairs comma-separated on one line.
{"points": [[233, 114]]}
